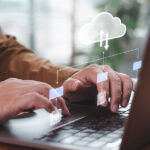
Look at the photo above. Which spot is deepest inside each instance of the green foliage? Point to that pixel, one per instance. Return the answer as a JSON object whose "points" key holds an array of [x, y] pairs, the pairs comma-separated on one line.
{"points": [[128, 12]]}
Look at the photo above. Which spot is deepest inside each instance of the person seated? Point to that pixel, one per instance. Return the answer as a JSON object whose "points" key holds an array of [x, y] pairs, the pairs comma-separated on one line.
{"points": [[26, 80]]}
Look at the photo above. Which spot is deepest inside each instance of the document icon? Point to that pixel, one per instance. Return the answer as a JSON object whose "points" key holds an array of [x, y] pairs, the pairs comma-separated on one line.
{"points": [[54, 93], [102, 77], [137, 65]]}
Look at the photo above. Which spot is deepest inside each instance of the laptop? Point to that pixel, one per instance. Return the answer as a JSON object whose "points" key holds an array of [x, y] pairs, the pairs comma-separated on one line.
{"points": [[89, 127]]}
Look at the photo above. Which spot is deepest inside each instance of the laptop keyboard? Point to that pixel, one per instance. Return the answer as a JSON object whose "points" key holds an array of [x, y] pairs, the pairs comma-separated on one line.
{"points": [[93, 131]]}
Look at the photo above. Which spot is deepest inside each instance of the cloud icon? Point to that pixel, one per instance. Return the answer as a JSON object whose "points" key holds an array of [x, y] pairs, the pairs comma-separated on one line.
{"points": [[102, 24]]}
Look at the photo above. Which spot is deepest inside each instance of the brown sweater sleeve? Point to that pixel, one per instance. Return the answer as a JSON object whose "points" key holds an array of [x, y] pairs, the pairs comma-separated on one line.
{"points": [[19, 62]]}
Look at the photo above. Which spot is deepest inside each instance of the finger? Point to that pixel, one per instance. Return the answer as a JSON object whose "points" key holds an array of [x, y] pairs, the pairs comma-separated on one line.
{"points": [[62, 105], [115, 89], [32, 86], [35, 100], [127, 86], [41, 88], [102, 87], [54, 101], [71, 85]]}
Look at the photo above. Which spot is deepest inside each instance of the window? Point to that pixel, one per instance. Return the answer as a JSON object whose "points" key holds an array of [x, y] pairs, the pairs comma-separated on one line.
{"points": [[50, 27]]}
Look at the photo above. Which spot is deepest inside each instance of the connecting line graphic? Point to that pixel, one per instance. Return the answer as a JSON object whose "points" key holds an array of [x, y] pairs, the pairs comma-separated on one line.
{"points": [[57, 73], [57, 76], [103, 59], [103, 69], [138, 54], [101, 38]]}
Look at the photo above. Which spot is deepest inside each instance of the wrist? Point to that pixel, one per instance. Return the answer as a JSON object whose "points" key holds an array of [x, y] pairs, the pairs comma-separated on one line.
{"points": [[3, 37]]}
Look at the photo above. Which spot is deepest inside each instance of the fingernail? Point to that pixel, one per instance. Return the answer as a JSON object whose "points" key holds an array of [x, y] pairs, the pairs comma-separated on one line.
{"points": [[66, 112], [53, 108], [115, 108], [101, 99], [50, 109], [124, 103]]}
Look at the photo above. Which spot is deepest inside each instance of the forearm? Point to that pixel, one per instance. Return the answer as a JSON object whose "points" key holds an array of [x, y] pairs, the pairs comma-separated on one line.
{"points": [[20, 62]]}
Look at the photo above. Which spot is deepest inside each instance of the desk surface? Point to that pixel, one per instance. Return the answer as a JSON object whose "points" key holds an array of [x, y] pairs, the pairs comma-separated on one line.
{"points": [[12, 147]]}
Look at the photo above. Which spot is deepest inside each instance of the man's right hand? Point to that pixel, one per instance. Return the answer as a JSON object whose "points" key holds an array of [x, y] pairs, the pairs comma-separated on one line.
{"points": [[17, 95]]}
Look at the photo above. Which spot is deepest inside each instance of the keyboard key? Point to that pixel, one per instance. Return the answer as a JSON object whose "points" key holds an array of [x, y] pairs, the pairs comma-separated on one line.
{"points": [[72, 131], [70, 140], [96, 135], [81, 134], [103, 132], [58, 137], [44, 136], [89, 131], [113, 136], [89, 139], [104, 139], [113, 145], [120, 131], [67, 127], [81, 143], [125, 115], [80, 128], [96, 144]]}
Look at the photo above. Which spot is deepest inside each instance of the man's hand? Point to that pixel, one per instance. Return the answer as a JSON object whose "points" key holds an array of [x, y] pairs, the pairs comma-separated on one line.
{"points": [[83, 86], [19, 95]]}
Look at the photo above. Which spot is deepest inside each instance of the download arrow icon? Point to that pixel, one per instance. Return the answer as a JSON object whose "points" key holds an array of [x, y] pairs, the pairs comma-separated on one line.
{"points": [[106, 44], [101, 38]]}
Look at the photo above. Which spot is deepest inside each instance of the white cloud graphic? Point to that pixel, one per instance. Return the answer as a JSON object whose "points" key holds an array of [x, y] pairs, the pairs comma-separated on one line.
{"points": [[102, 22]]}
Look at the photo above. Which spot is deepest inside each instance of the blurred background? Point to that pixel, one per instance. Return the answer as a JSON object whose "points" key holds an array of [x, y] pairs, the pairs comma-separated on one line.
{"points": [[50, 28]]}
